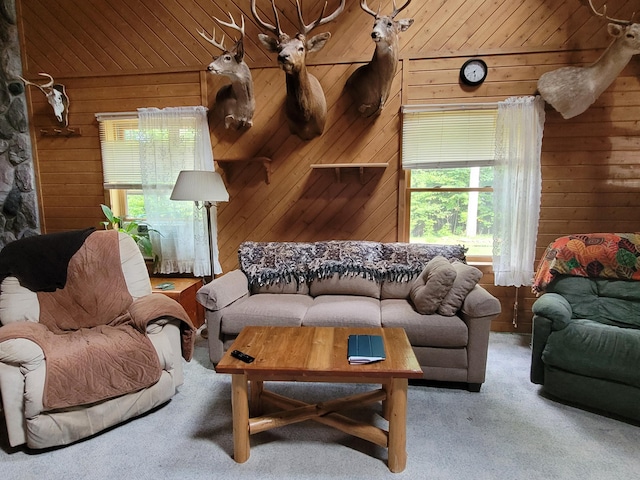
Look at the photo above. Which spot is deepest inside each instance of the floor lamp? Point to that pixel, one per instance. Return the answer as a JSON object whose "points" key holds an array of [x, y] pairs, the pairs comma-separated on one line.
{"points": [[201, 186]]}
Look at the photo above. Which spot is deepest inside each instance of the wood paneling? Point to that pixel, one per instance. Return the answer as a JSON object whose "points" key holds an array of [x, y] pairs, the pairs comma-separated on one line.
{"points": [[118, 56]]}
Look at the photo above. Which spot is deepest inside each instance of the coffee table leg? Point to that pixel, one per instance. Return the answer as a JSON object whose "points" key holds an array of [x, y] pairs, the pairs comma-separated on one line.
{"points": [[397, 410], [240, 409], [255, 397]]}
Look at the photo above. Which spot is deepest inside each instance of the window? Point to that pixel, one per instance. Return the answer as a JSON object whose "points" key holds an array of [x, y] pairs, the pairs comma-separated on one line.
{"points": [[143, 153], [120, 146], [449, 152]]}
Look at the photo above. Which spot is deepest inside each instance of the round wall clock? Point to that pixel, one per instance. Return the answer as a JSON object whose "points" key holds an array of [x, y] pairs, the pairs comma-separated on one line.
{"points": [[473, 72]]}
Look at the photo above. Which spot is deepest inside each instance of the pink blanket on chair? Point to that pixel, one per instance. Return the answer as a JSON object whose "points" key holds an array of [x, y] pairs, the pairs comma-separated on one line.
{"points": [[92, 332]]}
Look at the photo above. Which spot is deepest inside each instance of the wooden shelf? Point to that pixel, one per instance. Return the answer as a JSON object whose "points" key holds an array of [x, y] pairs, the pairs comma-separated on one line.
{"points": [[337, 167], [225, 164]]}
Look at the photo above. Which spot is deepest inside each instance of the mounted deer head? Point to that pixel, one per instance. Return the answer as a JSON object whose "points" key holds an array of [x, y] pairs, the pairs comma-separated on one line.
{"points": [[370, 84], [235, 101], [572, 90], [306, 107], [56, 96]]}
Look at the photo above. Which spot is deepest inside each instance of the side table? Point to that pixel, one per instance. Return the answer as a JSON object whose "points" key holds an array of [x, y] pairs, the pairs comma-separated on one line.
{"points": [[184, 292]]}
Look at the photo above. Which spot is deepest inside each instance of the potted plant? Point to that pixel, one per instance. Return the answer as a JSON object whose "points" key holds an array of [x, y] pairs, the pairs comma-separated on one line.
{"points": [[138, 231]]}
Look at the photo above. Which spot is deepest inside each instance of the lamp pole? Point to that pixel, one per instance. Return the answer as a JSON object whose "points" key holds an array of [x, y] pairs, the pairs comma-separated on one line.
{"points": [[207, 206]]}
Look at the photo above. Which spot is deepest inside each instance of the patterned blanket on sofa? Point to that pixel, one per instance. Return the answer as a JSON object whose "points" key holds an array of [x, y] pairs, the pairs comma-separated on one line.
{"points": [[267, 263], [604, 255]]}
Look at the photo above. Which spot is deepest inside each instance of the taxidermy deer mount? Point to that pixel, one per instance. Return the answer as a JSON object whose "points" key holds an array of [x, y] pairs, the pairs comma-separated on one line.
{"points": [[306, 106], [572, 90], [234, 101], [56, 96], [370, 84]]}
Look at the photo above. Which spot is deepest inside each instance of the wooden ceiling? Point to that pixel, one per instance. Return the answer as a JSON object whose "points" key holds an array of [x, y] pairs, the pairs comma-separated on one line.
{"points": [[76, 37]]}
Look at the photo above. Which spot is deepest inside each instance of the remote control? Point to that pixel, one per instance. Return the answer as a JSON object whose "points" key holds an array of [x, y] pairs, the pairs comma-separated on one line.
{"points": [[242, 356]]}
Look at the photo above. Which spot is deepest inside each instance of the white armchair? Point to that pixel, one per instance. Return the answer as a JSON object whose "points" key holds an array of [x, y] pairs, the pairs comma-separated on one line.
{"points": [[32, 414]]}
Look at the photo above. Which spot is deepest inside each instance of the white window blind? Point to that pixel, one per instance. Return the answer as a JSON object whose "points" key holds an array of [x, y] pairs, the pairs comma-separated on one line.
{"points": [[448, 136], [120, 146]]}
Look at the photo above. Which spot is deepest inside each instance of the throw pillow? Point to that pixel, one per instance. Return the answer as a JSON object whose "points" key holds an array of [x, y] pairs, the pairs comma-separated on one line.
{"points": [[466, 278], [433, 284]]}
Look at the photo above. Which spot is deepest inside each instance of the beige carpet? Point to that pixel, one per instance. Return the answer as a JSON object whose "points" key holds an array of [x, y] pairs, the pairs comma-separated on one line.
{"points": [[507, 431]]}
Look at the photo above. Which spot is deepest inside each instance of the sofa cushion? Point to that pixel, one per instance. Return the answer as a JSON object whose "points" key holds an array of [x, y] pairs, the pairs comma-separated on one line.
{"points": [[264, 309], [613, 302], [433, 284], [299, 287], [424, 330], [466, 278], [343, 311], [592, 349], [395, 289], [338, 284]]}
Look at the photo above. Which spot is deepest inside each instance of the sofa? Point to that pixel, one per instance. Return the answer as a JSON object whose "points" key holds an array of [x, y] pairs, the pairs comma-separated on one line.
{"points": [[84, 343], [586, 322], [429, 290]]}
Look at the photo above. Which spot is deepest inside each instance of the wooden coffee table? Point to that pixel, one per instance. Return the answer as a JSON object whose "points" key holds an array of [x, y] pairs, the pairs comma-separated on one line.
{"points": [[318, 354]]}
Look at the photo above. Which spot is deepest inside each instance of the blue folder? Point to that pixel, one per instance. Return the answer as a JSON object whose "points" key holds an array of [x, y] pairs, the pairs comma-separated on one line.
{"points": [[365, 349]]}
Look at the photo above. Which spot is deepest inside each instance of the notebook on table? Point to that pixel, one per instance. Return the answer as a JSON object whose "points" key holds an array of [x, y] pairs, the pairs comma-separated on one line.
{"points": [[365, 349]]}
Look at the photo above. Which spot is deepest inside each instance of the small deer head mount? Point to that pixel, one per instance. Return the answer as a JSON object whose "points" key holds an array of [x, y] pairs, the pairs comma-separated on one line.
{"points": [[56, 96], [234, 101], [572, 90], [306, 106], [370, 84]]}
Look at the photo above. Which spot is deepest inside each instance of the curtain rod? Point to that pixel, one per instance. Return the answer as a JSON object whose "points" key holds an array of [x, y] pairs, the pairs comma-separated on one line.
{"points": [[448, 106]]}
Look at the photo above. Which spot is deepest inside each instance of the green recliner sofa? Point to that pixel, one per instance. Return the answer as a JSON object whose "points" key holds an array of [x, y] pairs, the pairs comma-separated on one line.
{"points": [[586, 343], [586, 323]]}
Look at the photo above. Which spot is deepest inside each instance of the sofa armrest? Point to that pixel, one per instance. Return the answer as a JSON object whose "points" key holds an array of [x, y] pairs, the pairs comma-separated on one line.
{"points": [[551, 312], [477, 311], [541, 332], [22, 376], [554, 307], [224, 290], [165, 336], [22, 353], [480, 303]]}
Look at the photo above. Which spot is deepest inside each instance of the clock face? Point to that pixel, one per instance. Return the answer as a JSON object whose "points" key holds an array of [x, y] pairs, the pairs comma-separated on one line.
{"points": [[473, 72]]}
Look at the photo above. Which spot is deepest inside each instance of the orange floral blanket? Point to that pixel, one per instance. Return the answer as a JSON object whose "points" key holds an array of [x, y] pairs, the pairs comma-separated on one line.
{"points": [[603, 255]]}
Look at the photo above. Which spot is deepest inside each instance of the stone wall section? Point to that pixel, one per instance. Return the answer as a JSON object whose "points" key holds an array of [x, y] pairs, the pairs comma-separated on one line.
{"points": [[18, 195]]}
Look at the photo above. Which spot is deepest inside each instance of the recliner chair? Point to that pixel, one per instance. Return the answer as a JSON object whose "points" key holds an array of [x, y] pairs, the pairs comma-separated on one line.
{"points": [[96, 352]]}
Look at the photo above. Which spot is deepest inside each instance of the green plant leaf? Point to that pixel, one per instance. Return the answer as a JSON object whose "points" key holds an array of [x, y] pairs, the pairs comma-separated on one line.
{"points": [[108, 213]]}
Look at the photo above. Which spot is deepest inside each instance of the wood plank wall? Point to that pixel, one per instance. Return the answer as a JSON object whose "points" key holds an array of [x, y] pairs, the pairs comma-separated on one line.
{"points": [[118, 56]]}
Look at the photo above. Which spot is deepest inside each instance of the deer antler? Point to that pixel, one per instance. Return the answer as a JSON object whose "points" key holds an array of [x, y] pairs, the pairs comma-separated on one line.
{"points": [[305, 29], [396, 11], [365, 7], [212, 40], [49, 84], [276, 30], [613, 20], [233, 24]]}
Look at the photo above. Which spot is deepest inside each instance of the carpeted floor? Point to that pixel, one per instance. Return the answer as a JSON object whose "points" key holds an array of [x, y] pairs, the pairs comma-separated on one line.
{"points": [[507, 431]]}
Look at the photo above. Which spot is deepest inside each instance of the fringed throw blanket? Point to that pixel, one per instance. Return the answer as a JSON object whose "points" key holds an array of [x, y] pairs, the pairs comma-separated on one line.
{"points": [[603, 255], [92, 332], [268, 263]]}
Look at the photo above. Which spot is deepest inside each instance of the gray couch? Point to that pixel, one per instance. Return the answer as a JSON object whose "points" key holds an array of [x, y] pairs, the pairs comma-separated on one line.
{"points": [[361, 284]]}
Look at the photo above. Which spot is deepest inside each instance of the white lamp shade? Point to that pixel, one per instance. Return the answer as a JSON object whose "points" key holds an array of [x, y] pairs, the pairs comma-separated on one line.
{"points": [[200, 185]]}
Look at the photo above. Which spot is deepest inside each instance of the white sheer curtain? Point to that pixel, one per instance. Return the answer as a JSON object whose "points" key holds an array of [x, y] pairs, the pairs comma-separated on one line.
{"points": [[517, 189], [174, 139]]}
